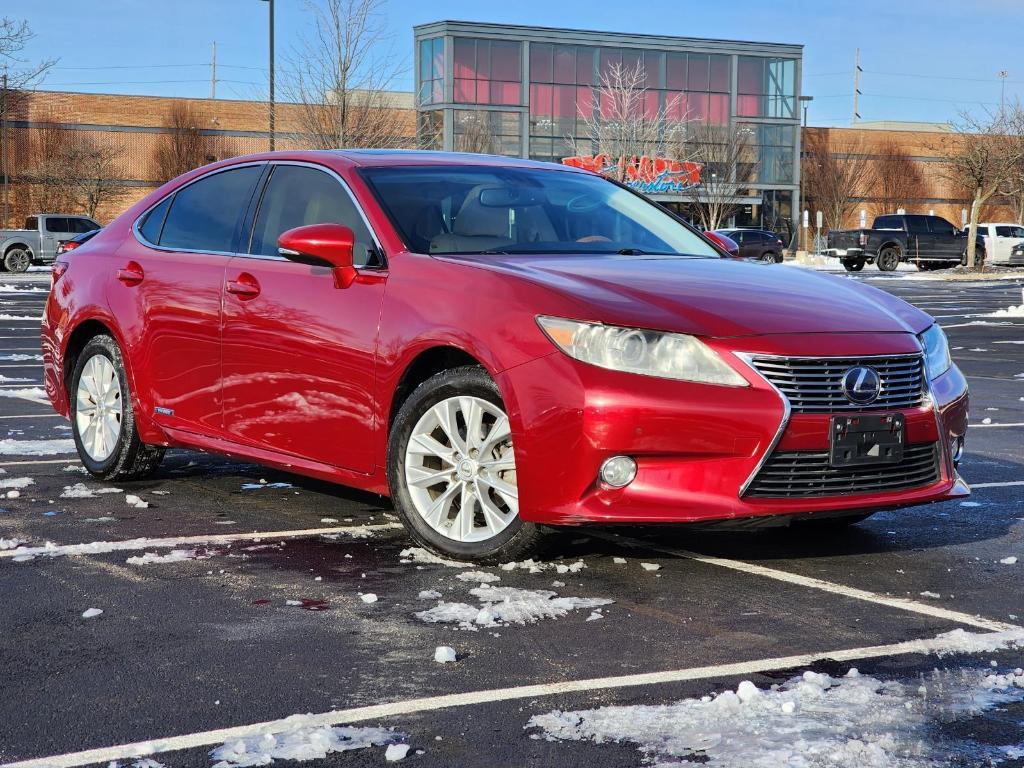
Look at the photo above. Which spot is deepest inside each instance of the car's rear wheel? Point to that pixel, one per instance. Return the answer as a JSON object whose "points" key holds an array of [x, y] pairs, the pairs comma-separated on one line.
{"points": [[102, 416], [889, 259], [979, 257], [853, 265], [17, 260], [769, 257], [452, 470]]}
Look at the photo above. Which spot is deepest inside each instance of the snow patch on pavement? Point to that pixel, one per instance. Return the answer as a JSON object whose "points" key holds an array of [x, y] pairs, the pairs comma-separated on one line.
{"points": [[9, 447], [811, 720], [15, 543], [301, 742], [1013, 311], [83, 491], [500, 606], [174, 556], [480, 576], [420, 555], [16, 482], [535, 566]]}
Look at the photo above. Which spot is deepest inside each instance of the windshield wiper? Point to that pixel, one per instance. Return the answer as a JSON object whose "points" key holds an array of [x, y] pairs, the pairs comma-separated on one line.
{"points": [[642, 252]]}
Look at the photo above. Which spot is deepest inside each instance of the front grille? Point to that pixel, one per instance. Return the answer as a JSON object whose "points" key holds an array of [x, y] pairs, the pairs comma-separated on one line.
{"points": [[814, 385], [798, 474]]}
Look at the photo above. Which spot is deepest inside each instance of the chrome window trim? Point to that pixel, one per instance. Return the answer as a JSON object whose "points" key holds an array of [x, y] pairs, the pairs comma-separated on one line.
{"points": [[136, 230], [787, 408]]}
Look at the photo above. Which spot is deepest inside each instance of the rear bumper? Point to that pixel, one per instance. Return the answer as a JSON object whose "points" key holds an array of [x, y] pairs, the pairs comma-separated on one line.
{"points": [[696, 446]]}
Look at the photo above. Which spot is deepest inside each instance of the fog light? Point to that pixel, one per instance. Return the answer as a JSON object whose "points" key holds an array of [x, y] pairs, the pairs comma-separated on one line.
{"points": [[618, 471], [956, 448]]}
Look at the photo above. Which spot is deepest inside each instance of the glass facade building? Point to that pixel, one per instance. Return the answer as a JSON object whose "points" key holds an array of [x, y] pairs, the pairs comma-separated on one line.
{"points": [[536, 92]]}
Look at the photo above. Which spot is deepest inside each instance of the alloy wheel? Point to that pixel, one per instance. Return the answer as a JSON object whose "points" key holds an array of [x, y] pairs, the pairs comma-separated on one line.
{"points": [[98, 408], [460, 469]]}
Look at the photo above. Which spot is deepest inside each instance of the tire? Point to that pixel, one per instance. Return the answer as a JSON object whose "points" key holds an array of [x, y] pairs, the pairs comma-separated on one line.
{"points": [[979, 258], [122, 456], [888, 259], [458, 479], [17, 260], [853, 265], [769, 257]]}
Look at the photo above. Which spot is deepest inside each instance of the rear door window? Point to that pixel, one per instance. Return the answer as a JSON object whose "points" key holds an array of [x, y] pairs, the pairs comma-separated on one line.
{"points": [[888, 222], [917, 224], [56, 224], [1008, 231], [204, 215], [942, 227], [298, 195]]}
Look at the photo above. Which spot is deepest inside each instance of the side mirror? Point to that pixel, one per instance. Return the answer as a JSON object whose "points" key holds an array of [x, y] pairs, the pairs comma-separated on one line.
{"points": [[321, 245]]}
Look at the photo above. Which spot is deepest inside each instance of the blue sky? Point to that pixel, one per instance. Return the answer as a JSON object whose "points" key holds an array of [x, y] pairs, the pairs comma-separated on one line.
{"points": [[923, 59]]}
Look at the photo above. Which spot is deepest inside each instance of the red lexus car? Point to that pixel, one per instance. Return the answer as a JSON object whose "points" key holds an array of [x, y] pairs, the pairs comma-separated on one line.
{"points": [[496, 344]]}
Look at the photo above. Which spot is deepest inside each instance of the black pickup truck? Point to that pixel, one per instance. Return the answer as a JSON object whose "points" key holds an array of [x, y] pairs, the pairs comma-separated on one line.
{"points": [[930, 242]]}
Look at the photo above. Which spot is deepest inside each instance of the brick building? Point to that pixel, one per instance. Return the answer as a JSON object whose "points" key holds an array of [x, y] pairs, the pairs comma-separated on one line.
{"points": [[133, 127]]}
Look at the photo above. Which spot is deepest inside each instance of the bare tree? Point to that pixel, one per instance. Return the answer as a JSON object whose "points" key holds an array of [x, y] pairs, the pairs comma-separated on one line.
{"points": [[46, 171], [625, 129], [185, 145], [833, 175], [71, 171], [342, 78], [980, 156], [92, 172], [895, 178], [728, 161], [16, 76]]}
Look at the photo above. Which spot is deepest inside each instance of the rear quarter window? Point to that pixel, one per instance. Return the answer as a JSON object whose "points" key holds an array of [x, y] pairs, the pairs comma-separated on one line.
{"points": [[153, 222]]}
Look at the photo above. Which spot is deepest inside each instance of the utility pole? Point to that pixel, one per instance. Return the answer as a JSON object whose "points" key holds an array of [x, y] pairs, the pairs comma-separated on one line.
{"points": [[856, 88], [1003, 74], [3, 144], [213, 72], [804, 100], [270, 4]]}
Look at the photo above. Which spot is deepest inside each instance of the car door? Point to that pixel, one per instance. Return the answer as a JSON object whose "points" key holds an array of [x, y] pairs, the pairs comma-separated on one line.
{"points": [[1006, 236], [299, 352], [55, 229], [920, 241], [168, 289], [947, 244]]}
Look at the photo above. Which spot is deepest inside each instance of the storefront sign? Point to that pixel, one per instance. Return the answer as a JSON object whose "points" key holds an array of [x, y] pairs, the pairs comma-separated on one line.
{"points": [[649, 175]]}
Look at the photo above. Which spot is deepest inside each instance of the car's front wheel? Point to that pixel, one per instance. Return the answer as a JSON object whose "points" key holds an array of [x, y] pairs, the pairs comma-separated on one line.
{"points": [[102, 416], [452, 470], [889, 259]]}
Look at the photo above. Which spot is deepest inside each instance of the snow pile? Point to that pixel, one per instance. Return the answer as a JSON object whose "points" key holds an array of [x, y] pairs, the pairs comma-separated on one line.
{"points": [[174, 556], [91, 613], [850, 722], [420, 555], [83, 491], [1008, 312], [15, 543], [136, 501], [1009, 560], [396, 752], [32, 393], [480, 576], [301, 742], [444, 654], [16, 482], [9, 447], [534, 566], [507, 605], [962, 641]]}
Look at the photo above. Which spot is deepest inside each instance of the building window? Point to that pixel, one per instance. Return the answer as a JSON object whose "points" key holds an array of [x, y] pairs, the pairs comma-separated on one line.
{"points": [[766, 87], [487, 71], [491, 132], [430, 130], [431, 71], [770, 154]]}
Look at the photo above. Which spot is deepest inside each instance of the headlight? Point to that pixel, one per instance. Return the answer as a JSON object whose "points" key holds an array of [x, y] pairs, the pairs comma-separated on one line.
{"points": [[936, 352], [649, 353]]}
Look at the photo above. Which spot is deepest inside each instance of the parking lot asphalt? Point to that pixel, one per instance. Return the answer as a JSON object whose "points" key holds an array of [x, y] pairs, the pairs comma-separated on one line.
{"points": [[265, 611]]}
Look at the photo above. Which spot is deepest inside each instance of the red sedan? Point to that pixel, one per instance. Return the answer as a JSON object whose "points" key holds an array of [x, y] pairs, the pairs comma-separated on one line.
{"points": [[495, 344]]}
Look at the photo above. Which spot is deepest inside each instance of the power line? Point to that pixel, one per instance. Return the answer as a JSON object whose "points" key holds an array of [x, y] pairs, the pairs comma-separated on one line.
{"points": [[147, 82]]}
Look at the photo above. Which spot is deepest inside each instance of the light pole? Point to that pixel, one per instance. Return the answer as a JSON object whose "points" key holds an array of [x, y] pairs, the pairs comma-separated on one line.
{"points": [[804, 100], [270, 22]]}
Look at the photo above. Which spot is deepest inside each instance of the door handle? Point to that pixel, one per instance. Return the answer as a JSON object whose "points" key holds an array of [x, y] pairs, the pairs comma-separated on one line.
{"points": [[245, 286], [131, 274]]}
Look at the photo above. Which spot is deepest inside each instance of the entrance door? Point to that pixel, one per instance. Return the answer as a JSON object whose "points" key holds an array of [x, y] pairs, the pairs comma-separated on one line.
{"points": [[299, 352]]}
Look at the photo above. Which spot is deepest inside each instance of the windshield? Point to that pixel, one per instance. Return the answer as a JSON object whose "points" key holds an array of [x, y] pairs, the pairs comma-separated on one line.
{"points": [[467, 209]]}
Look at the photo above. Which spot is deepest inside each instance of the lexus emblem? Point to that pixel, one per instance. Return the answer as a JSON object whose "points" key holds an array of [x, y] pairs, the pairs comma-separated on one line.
{"points": [[862, 385]]}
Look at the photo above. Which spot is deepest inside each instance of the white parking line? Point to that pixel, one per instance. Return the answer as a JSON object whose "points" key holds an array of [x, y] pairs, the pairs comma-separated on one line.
{"points": [[31, 416], [899, 603], [102, 547], [1008, 484], [22, 462], [378, 712], [1005, 424]]}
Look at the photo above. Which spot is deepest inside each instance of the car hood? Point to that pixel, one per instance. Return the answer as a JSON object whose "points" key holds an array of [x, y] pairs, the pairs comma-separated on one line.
{"points": [[710, 297]]}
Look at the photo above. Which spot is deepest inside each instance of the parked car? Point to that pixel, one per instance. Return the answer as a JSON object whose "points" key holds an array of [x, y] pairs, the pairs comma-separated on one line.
{"points": [[727, 244], [756, 244], [1017, 256], [498, 345], [70, 244], [930, 242], [37, 242], [1000, 240]]}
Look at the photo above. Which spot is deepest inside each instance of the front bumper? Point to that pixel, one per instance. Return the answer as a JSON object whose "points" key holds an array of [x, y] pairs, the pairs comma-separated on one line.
{"points": [[697, 446]]}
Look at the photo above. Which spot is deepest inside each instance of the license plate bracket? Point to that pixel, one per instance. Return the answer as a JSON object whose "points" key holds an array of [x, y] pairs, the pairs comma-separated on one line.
{"points": [[867, 439]]}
